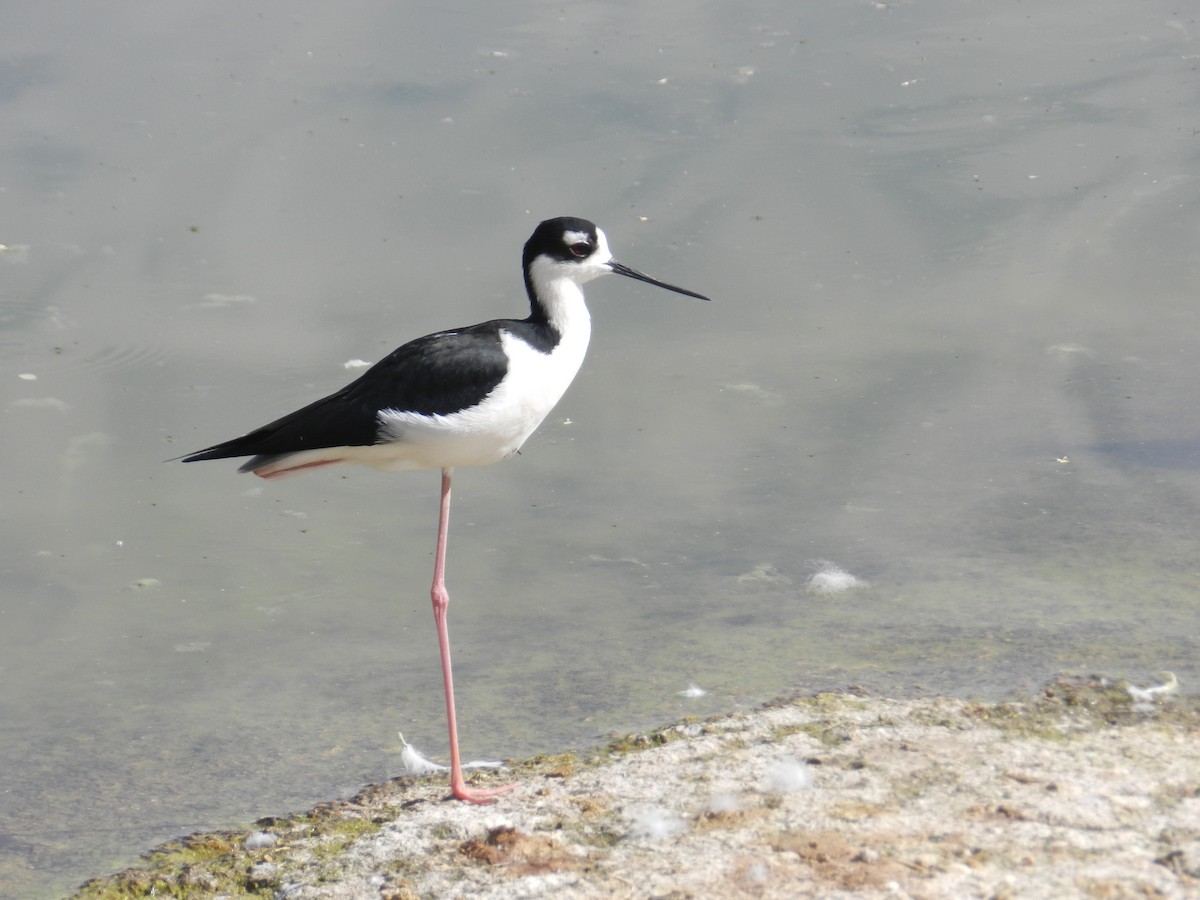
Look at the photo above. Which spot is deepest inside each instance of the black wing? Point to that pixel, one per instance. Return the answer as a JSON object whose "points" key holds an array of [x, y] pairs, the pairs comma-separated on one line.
{"points": [[437, 374]]}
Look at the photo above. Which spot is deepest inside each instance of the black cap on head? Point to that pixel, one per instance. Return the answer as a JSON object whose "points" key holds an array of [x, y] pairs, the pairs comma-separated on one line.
{"points": [[549, 238]]}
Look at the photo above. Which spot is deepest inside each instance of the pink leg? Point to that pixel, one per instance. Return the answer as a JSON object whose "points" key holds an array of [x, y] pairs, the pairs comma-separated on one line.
{"points": [[441, 600], [270, 471]]}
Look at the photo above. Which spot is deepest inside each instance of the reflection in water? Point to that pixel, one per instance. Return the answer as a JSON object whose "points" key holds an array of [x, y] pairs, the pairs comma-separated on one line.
{"points": [[1161, 454]]}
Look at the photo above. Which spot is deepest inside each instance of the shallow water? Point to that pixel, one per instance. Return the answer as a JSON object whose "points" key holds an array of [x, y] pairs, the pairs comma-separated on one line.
{"points": [[951, 251]]}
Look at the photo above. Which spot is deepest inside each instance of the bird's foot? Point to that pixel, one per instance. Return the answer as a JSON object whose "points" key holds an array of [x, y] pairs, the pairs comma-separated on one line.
{"points": [[481, 796]]}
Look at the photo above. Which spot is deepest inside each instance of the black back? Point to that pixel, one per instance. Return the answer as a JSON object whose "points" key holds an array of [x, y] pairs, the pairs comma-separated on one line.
{"points": [[437, 374]]}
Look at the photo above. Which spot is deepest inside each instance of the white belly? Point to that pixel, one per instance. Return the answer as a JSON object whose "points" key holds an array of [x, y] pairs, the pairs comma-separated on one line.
{"points": [[494, 429]]}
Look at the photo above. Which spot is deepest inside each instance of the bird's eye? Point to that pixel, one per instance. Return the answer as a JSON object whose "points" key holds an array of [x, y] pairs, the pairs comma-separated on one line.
{"points": [[580, 250]]}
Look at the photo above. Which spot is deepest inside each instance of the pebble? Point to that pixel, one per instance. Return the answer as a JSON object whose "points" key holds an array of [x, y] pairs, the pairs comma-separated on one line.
{"points": [[259, 840], [263, 873]]}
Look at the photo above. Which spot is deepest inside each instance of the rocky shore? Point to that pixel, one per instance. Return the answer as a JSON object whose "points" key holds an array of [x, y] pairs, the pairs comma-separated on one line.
{"points": [[1089, 790]]}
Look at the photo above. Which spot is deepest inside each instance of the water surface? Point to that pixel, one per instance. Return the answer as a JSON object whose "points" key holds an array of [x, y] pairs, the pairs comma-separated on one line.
{"points": [[951, 350]]}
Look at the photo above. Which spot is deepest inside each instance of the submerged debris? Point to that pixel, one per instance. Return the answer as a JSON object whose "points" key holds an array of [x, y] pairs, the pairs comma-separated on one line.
{"points": [[830, 579]]}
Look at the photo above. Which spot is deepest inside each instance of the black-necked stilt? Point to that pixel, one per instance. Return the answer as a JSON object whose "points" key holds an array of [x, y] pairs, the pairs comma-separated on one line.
{"points": [[465, 397]]}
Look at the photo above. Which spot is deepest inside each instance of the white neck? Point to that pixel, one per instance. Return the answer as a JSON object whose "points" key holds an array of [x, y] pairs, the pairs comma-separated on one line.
{"points": [[557, 289]]}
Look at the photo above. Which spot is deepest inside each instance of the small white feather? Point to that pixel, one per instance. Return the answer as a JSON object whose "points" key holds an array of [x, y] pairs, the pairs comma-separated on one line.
{"points": [[415, 763], [654, 823]]}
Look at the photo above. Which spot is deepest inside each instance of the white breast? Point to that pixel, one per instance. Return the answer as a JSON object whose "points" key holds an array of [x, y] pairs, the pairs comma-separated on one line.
{"points": [[495, 428]]}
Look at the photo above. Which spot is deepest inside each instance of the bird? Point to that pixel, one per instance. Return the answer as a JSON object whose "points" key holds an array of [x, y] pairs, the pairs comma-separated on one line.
{"points": [[464, 397]]}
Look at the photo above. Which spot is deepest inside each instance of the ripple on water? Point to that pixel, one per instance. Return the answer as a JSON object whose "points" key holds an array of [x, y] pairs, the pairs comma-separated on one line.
{"points": [[124, 357]]}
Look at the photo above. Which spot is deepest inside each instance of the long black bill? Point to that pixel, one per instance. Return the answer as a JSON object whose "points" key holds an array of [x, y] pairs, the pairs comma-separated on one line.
{"points": [[635, 274]]}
